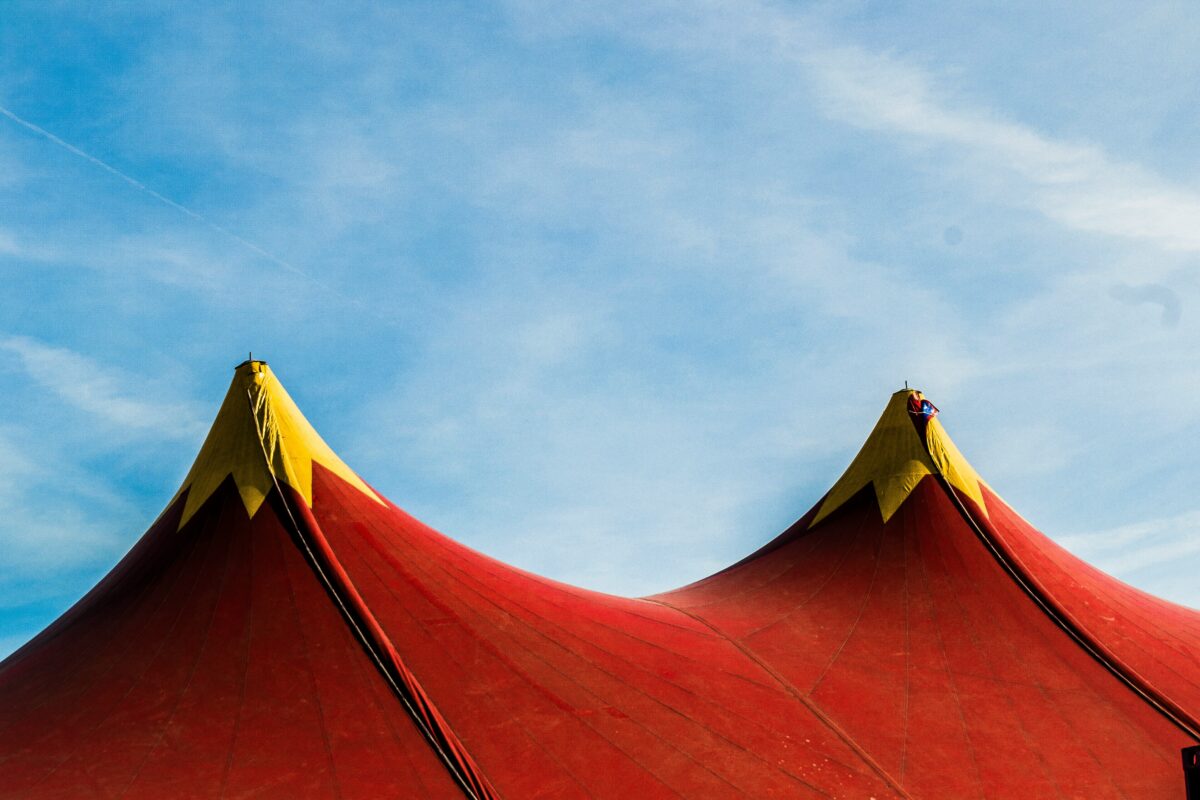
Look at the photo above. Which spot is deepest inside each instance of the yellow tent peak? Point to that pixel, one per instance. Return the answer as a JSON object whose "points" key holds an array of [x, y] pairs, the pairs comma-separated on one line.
{"points": [[893, 461], [258, 437]]}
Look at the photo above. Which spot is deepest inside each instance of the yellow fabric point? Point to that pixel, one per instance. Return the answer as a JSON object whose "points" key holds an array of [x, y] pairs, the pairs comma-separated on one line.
{"points": [[258, 414], [950, 462], [894, 460]]}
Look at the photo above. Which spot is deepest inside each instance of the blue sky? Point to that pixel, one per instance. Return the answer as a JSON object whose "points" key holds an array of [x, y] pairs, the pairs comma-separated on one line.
{"points": [[609, 291]]}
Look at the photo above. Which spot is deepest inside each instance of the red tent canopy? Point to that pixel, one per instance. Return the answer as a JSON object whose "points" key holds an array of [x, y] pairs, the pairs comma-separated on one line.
{"points": [[282, 630]]}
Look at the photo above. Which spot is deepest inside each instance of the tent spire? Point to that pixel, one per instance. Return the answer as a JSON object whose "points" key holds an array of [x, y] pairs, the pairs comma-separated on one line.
{"points": [[233, 445], [898, 454]]}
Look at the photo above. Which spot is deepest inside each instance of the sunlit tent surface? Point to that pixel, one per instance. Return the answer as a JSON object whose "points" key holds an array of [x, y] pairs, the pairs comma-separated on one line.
{"points": [[284, 631]]}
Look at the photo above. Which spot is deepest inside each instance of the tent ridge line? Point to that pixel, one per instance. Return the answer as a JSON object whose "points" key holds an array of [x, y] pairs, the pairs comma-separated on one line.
{"points": [[420, 707], [1066, 622]]}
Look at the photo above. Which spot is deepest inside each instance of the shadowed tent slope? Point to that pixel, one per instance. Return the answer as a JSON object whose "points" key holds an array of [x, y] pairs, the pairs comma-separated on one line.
{"points": [[209, 663], [282, 631]]}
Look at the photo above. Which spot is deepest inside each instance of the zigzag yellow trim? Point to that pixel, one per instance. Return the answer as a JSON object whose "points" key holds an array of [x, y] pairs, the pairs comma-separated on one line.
{"points": [[894, 460], [257, 404]]}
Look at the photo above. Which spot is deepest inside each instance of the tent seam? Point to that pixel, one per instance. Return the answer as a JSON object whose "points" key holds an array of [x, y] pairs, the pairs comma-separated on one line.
{"points": [[812, 707]]}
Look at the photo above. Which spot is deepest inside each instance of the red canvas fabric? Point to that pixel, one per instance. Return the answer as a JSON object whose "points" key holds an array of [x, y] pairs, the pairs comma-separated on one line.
{"points": [[1152, 641], [209, 663], [921, 645], [946, 653]]}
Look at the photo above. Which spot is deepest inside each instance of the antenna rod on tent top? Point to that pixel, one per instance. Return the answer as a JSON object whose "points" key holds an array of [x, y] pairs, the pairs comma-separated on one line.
{"points": [[249, 360]]}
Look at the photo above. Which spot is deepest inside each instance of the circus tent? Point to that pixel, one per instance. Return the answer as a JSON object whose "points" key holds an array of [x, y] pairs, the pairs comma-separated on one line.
{"points": [[283, 630]]}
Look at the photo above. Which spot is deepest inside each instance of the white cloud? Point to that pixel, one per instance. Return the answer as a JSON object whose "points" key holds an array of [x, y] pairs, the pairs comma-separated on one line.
{"points": [[1130, 551], [1076, 184], [109, 396], [635, 312], [49, 513], [9, 245]]}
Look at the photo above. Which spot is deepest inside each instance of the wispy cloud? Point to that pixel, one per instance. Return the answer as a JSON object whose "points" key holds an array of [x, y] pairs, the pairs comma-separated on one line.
{"points": [[54, 519], [1143, 547], [1077, 184], [60, 530], [1074, 182], [588, 302], [9, 245], [65, 519], [109, 396], [1154, 294]]}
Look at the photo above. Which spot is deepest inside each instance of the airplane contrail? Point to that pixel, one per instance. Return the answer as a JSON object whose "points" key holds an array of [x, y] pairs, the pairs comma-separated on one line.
{"points": [[141, 187]]}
